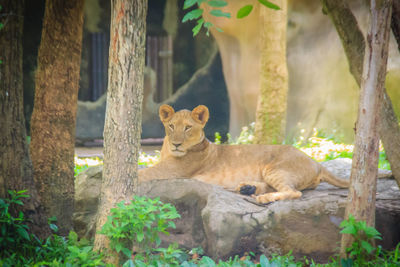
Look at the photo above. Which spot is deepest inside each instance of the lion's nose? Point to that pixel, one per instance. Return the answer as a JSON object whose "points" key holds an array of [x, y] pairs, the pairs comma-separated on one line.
{"points": [[177, 144]]}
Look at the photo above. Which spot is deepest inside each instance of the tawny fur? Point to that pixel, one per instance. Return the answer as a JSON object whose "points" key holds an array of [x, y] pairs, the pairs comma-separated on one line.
{"points": [[277, 171]]}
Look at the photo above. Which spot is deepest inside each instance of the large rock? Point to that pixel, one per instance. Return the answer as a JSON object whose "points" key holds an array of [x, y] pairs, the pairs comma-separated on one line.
{"points": [[87, 192], [225, 223]]}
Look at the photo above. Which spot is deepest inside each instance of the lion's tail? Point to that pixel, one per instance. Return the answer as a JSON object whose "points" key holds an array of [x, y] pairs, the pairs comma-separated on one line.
{"points": [[328, 177]]}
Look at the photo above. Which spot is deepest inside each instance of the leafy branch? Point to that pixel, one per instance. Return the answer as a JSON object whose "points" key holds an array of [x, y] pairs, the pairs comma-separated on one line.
{"points": [[216, 11]]}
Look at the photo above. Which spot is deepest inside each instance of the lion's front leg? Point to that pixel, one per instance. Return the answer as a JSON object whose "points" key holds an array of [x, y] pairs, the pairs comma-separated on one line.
{"points": [[282, 182], [272, 197], [159, 171]]}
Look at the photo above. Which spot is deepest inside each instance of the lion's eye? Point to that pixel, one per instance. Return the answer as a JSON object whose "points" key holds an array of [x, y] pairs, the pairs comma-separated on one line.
{"points": [[188, 127], [171, 126]]}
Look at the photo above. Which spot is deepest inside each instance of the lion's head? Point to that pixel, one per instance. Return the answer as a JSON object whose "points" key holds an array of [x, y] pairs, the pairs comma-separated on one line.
{"points": [[184, 129]]}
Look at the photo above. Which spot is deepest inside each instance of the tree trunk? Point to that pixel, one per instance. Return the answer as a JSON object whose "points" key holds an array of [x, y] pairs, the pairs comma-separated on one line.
{"points": [[362, 192], [272, 100], [124, 108], [354, 45], [54, 113], [15, 164]]}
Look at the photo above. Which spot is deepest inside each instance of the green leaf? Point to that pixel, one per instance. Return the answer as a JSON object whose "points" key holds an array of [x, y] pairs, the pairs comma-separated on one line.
{"points": [[189, 3], [19, 202], [346, 262], [139, 236], [53, 227], [194, 14], [269, 4], [206, 261], [264, 262], [350, 229], [73, 237], [118, 247], [372, 232], [244, 11], [129, 263], [23, 233], [367, 246], [219, 13], [217, 3], [197, 28], [127, 252], [208, 25]]}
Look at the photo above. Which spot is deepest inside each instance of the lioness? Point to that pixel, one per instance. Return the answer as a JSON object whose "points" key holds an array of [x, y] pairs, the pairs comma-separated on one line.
{"points": [[275, 171]]}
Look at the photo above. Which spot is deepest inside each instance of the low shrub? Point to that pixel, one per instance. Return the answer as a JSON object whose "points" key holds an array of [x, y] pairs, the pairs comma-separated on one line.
{"points": [[134, 231], [20, 248]]}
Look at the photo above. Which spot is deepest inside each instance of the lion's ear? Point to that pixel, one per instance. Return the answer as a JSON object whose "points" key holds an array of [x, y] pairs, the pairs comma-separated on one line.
{"points": [[200, 114], [166, 112]]}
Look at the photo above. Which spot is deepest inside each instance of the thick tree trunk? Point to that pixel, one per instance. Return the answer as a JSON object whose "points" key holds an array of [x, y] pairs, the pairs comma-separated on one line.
{"points": [[15, 164], [354, 44], [124, 108], [362, 192], [272, 100], [54, 113]]}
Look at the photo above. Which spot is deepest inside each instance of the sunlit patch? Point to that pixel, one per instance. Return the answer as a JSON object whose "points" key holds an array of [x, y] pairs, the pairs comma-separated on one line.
{"points": [[320, 148], [148, 159], [82, 164], [88, 161]]}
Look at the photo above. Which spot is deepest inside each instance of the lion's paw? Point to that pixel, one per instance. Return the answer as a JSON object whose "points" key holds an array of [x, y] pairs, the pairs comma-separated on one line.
{"points": [[267, 198]]}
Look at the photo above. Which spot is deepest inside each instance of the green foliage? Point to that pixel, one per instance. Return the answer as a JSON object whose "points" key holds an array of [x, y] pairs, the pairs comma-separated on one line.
{"points": [[269, 4], [13, 228], [71, 252], [246, 136], [217, 138], [20, 248], [362, 248], [140, 223], [80, 168], [244, 11], [275, 261], [383, 161], [194, 14], [217, 12]]}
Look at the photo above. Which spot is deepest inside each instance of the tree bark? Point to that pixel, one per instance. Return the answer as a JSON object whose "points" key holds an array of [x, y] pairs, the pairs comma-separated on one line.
{"points": [[362, 192], [350, 35], [54, 113], [124, 108], [272, 100], [15, 164]]}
